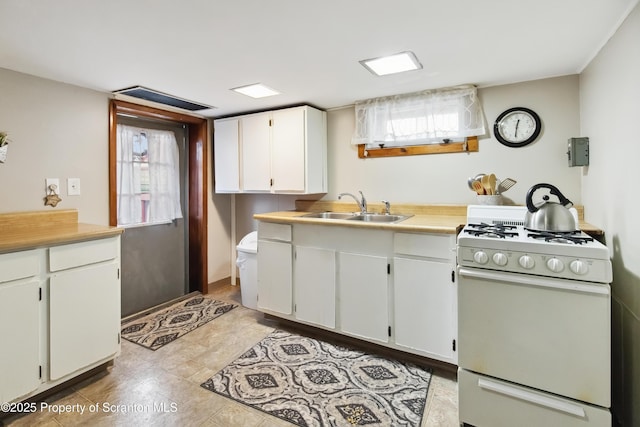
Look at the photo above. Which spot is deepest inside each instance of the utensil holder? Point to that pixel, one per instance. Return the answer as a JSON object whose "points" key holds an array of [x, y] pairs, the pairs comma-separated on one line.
{"points": [[490, 199]]}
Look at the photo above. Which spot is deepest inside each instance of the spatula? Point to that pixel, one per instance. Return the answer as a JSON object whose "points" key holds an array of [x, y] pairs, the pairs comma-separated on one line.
{"points": [[477, 187], [506, 184]]}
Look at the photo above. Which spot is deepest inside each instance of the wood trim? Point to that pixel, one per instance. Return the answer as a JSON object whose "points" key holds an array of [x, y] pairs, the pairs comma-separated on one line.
{"points": [[470, 145], [198, 188]]}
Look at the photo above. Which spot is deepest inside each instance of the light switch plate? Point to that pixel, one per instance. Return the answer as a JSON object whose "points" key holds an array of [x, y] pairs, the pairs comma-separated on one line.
{"points": [[73, 186]]}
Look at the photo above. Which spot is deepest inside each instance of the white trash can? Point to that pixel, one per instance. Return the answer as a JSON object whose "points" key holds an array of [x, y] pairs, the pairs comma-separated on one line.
{"points": [[247, 263]]}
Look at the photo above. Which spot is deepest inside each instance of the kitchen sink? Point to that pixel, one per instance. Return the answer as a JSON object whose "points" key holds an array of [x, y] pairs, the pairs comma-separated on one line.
{"points": [[373, 217], [331, 215]]}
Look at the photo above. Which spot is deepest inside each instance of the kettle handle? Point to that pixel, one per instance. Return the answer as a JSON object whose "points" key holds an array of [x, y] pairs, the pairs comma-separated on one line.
{"points": [[553, 190]]}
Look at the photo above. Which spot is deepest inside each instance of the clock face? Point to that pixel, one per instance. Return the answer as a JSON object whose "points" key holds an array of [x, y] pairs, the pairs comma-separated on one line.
{"points": [[517, 127]]}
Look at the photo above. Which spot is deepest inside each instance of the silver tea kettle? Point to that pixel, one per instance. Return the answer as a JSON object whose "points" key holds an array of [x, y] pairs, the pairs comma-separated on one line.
{"points": [[550, 216]]}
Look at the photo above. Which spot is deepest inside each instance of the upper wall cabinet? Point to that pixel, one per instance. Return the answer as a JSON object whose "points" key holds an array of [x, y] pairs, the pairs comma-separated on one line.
{"points": [[282, 151]]}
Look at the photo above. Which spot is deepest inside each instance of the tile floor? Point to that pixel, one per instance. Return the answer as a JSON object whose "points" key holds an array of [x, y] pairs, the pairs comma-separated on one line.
{"points": [[162, 387]]}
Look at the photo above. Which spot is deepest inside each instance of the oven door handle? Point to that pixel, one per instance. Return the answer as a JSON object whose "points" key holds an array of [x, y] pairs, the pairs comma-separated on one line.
{"points": [[528, 396], [570, 285]]}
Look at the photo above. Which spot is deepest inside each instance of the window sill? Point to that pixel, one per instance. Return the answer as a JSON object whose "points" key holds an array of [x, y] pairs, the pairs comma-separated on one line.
{"points": [[470, 145]]}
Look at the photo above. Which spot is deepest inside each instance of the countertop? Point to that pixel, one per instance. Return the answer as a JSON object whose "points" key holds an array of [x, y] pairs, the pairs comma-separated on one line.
{"points": [[447, 219], [32, 229]]}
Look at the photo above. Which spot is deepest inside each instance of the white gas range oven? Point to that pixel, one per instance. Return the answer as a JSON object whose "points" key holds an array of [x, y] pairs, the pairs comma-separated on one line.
{"points": [[534, 324]]}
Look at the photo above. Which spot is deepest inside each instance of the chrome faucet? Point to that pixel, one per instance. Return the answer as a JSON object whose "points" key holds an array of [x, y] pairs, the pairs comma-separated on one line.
{"points": [[362, 204]]}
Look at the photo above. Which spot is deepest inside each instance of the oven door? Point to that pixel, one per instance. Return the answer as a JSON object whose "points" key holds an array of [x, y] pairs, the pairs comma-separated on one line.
{"points": [[549, 334]]}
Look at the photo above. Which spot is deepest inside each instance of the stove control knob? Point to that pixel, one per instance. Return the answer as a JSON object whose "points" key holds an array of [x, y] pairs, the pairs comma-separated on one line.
{"points": [[500, 259], [555, 265], [579, 267], [526, 262], [481, 257]]}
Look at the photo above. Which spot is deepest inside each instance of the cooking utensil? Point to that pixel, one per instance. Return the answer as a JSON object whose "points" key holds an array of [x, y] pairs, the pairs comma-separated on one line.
{"points": [[478, 177], [477, 187], [505, 184], [492, 183], [550, 216], [485, 184]]}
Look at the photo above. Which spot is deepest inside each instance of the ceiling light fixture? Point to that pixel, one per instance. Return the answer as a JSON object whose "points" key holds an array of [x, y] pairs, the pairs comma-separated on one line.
{"points": [[397, 63], [257, 90]]}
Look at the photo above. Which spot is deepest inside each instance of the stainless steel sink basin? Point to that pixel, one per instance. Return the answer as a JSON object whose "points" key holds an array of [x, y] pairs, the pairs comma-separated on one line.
{"points": [[331, 215], [372, 217]]}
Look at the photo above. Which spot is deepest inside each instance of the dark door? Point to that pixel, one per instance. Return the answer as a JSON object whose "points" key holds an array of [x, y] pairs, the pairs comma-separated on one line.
{"points": [[154, 257]]}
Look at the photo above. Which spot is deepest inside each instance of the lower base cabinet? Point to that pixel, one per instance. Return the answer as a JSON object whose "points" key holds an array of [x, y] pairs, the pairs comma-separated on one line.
{"points": [[364, 299], [393, 289], [59, 314], [20, 335], [315, 279]]}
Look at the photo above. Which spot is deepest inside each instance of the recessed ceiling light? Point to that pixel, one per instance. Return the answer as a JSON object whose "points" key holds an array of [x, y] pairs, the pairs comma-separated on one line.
{"points": [[257, 90], [398, 63]]}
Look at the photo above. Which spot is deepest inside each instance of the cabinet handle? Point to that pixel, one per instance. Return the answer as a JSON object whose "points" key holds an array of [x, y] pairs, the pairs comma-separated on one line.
{"points": [[535, 398]]}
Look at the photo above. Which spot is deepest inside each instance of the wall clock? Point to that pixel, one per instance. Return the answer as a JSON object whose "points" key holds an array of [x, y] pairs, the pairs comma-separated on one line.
{"points": [[517, 127]]}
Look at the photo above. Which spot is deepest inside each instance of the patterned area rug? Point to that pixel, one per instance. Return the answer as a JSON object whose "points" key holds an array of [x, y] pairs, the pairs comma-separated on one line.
{"points": [[312, 383], [161, 327]]}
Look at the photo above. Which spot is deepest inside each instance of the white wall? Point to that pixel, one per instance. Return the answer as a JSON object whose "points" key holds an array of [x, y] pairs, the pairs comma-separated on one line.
{"points": [[610, 113], [62, 131], [57, 131], [442, 178]]}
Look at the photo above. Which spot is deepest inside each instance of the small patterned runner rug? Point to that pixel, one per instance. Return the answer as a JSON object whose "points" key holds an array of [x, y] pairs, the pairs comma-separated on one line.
{"points": [[312, 383], [167, 324]]}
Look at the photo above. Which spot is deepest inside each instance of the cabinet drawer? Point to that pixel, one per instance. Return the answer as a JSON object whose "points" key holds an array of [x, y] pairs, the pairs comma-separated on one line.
{"points": [[19, 265], [425, 245], [270, 230], [78, 254]]}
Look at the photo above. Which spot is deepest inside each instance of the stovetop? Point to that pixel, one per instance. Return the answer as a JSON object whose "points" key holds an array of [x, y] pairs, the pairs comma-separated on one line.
{"points": [[495, 238]]}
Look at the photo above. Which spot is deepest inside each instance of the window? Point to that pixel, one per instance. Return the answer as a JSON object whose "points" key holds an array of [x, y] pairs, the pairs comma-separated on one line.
{"points": [[147, 172], [432, 121]]}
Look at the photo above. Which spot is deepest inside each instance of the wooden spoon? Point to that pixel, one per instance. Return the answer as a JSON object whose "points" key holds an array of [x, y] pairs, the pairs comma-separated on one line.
{"points": [[486, 185], [492, 184]]}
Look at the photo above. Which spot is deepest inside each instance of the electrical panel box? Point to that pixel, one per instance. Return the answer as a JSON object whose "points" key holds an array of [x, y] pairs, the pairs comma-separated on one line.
{"points": [[578, 151]]}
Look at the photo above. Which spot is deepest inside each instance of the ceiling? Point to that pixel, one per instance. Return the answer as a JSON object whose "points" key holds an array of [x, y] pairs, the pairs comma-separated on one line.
{"points": [[307, 50]]}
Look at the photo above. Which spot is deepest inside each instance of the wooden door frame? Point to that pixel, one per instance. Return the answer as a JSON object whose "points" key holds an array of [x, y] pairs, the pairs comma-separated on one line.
{"points": [[197, 185]]}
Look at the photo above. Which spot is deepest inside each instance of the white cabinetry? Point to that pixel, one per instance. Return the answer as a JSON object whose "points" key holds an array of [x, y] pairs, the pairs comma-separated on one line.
{"points": [[364, 299], [84, 291], [425, 294], [226, 159], [275, 263], [20, 307], [391, 288], [315, 286], [281, 151], [59, 314]]}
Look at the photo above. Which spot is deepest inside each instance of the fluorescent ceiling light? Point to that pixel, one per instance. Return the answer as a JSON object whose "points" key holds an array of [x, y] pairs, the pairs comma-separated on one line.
{"points": [[398, 63], [257, 90]]}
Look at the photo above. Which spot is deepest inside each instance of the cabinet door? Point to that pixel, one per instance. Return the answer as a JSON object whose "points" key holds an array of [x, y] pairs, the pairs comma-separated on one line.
{"points": [[288, 150], [256, 153], [84, 317], [274, 276], [20, 332], [314, 280], [226, 156], [424, 306], [362, 280]]}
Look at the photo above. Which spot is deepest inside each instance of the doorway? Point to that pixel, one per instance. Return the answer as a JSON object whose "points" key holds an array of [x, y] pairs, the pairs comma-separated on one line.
{"points": [[195, 207], [154, 256]]}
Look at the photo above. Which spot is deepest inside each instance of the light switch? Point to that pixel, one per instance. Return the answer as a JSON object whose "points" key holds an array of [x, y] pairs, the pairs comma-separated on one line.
{"points": [[73, 186]]}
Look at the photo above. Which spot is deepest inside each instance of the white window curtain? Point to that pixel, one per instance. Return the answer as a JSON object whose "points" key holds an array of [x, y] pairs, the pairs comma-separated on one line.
{"points": [[148, 176], [427, 117]]}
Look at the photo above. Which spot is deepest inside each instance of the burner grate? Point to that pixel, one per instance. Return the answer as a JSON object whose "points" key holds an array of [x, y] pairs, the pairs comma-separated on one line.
{"points": [[575, 237], [501, 231]]}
